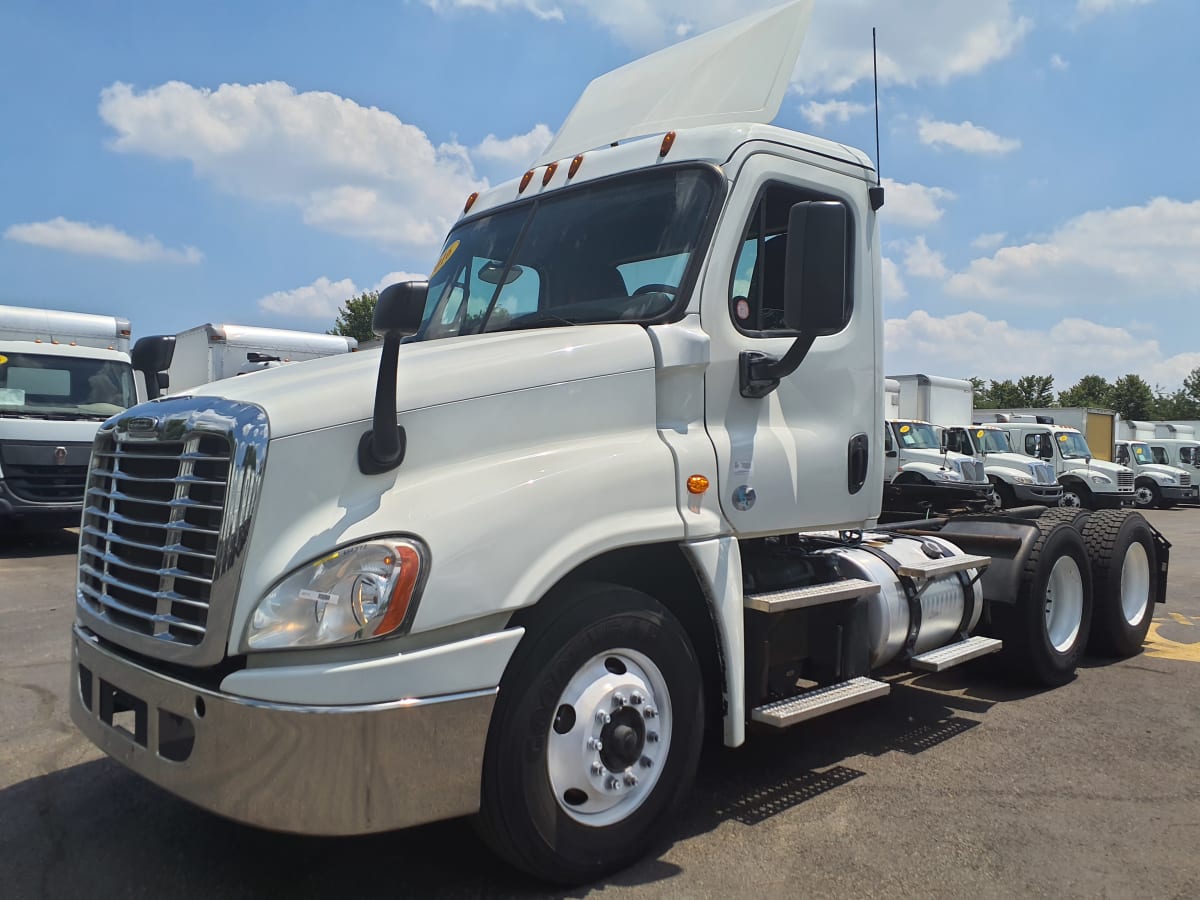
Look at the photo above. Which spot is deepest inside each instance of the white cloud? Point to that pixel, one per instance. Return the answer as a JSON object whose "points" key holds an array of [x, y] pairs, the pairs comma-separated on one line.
{"points": [[920, 40], [396, 278], [965, 136], [352, 169], [520, 150], [989, 241], [837, 110], [98, 240], [969, 343], [1088, 9], [1146, 254], [913, 204], [1058, 63], [319, 300], [922, 262], [893, 289]]}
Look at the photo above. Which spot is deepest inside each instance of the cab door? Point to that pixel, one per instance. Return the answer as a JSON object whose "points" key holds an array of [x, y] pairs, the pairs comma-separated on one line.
{"points": [[808, 454]]}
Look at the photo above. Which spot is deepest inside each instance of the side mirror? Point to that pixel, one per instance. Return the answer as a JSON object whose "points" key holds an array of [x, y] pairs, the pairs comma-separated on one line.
{"points": [[398, 313], [152, 357], [814, 281]]}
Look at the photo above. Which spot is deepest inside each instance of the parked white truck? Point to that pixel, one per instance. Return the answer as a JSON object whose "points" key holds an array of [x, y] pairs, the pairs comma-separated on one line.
{"points": [[211, 352], [1015, 479], [61, 374], [1086, 481], [1100, 427], [1155, 484], [1175, 444], [513, 567]]}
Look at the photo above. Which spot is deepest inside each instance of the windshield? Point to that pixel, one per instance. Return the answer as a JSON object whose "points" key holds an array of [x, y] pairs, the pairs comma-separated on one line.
{"points": [[916, 436], [991, 440], [65, 387], [617, 251], [1072, 445], [1141, 453]]}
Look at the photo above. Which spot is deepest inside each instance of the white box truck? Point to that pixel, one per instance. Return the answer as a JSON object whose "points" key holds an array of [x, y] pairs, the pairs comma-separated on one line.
{"points": [[61, 375], [1156, 484], [1015, 479], [510, 568], [211, 352], [1099, 427]]}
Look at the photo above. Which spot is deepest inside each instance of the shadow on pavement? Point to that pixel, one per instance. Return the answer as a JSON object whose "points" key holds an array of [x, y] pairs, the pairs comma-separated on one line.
{"points": [[20, 542]]}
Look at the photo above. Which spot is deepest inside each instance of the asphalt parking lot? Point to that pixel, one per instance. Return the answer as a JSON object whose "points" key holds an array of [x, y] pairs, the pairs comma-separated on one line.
{"points": [[955, 785]]}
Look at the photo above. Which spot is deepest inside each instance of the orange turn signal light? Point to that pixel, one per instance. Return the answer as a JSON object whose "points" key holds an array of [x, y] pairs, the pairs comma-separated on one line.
{"points": [[470, 202], [410, 570], [667, 143], [697, 484]]}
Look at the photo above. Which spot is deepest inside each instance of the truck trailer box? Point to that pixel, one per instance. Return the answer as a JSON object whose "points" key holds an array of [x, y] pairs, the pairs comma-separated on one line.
{"points": [[212, 352], [936, 399]]}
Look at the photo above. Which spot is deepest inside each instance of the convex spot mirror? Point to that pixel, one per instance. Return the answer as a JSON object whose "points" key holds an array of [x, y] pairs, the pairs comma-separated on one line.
{"points": [[816, 301], [400, 309]]}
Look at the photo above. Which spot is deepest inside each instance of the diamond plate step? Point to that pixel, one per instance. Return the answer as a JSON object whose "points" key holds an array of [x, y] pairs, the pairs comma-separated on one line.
{"points": [[819, 701], [814, 595], [935, 568], [952, 654]]}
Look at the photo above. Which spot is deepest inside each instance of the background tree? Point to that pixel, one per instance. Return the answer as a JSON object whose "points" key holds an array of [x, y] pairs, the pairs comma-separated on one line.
{"points": [[1132, 398], [1176, 405], [980, 397], [355, 315], [1036, 390], [1191, 385], [1005, 394], [1090, 390]]}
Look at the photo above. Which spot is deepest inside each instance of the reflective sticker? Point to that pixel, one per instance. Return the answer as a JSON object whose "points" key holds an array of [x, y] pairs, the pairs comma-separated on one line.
{"points": [[979, 433], [744, 497], [742, 309], [3, 360], [1063, 438], [444, 258], [904, 429]]}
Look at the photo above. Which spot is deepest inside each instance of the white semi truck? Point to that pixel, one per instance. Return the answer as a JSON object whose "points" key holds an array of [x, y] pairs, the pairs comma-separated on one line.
{"points": [[514, 567], [61, 375], [1015, 479], [211, 352], [1086, 481], [1155, 484]]}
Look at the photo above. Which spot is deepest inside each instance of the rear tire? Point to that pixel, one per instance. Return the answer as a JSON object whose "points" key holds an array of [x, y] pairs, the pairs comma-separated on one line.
{"points": [[555, 803], [1071, 515], [1046, 629], [1125, 577]]}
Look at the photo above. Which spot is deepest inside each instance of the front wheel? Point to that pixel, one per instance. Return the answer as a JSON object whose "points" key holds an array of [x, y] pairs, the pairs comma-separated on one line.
{"points": [[595, 736], [1076, 496], [1147, 495]]}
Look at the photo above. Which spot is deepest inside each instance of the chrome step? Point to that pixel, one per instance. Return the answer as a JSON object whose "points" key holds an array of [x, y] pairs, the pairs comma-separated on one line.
{"points": [[819, 701], [952, 654], [935, 568], [813, 595]]}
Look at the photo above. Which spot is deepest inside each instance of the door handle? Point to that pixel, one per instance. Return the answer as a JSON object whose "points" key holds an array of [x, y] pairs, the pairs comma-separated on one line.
{"points": [[857, 457]]}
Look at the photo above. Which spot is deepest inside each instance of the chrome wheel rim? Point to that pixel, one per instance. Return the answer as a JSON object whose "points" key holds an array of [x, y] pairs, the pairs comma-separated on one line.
{"points": [[1064, 603], [1135, 583], [610, 737], [1071, 499], [1143, 496]]}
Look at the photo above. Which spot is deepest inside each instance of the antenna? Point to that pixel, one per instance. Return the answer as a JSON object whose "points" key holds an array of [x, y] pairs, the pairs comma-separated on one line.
{"points": [[876, 193]]}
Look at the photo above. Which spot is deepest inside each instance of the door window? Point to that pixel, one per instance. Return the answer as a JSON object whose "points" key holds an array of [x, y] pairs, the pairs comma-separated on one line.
{"points": [[1122, 454], [1160, 456]]}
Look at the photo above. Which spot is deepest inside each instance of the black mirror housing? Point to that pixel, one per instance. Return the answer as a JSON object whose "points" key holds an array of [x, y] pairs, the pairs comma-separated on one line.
{"points": [[400, 309], [816, 301], [152, 357]]}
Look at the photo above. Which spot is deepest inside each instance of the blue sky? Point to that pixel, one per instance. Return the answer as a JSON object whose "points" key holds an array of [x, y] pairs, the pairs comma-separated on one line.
{"points": [[258, 162]]}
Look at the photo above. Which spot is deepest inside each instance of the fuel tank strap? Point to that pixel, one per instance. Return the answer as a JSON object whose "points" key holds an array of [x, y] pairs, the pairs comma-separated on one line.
{"points": [[911, 595]]}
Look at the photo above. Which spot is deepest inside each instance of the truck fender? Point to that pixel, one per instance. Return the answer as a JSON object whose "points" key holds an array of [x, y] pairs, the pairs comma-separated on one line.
{"points": [[1007, 542]]}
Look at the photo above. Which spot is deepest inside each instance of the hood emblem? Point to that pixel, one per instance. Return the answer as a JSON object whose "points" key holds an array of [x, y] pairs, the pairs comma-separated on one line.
{"points": [[60, 456], [141, 424]]}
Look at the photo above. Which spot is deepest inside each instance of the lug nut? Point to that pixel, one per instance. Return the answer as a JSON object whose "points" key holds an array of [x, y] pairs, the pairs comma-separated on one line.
{"points": [[635, 698], [646, 762], [602, 717], [595, 744], [630, 779], [651, 737], [650, 712], [597, 769], [612, 784], [618, 700]]}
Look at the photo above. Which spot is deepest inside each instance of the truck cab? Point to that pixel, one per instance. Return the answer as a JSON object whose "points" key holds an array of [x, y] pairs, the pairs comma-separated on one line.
{"points": [[1016, 479], [1086, 481], [61, 375], [921, 469], [1156, 484], [1179, 453]]}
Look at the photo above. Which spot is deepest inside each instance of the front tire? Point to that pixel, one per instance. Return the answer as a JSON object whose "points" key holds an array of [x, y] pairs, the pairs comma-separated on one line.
{"points": [[1046, 629], [595, 736], [1075, 496], [1125, 577], [1147, 495]]}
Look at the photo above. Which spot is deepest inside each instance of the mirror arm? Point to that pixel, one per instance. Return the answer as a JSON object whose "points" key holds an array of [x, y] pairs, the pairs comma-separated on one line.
{"points": [[759, 373], [382, 448]]}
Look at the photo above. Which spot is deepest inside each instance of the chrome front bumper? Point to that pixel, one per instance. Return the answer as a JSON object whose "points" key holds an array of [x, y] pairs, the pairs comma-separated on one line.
{"points": [[331, 770]]}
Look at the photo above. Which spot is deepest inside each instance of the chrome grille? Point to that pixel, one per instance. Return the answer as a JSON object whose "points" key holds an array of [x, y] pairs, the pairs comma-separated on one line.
{"points": [[1125, 481], [1043, 473], [1185, 480], [971, 470], [166, 516]]}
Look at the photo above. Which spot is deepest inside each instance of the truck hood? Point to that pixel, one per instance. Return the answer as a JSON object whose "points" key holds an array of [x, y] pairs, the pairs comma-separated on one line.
{"points": [[1160, 469], [1010, 461], [337, 390], [1111, 469]]}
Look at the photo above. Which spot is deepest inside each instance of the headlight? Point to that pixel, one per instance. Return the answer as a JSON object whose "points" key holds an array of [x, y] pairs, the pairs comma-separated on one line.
{"points": [[1167, 479], [1101, 479], [358, 593], [1023, 479]]}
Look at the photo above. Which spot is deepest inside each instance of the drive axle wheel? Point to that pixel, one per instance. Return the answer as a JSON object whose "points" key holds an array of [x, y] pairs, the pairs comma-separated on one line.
{"points": [[595, 735], [1046, 629], [1125, 573]]}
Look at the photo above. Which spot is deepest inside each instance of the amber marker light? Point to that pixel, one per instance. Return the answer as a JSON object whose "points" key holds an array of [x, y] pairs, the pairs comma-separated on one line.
{"points": [[410, 569], [667, 144], [550, 170], [470, 202], [575, 164], [697, 484], [525, 179]]}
